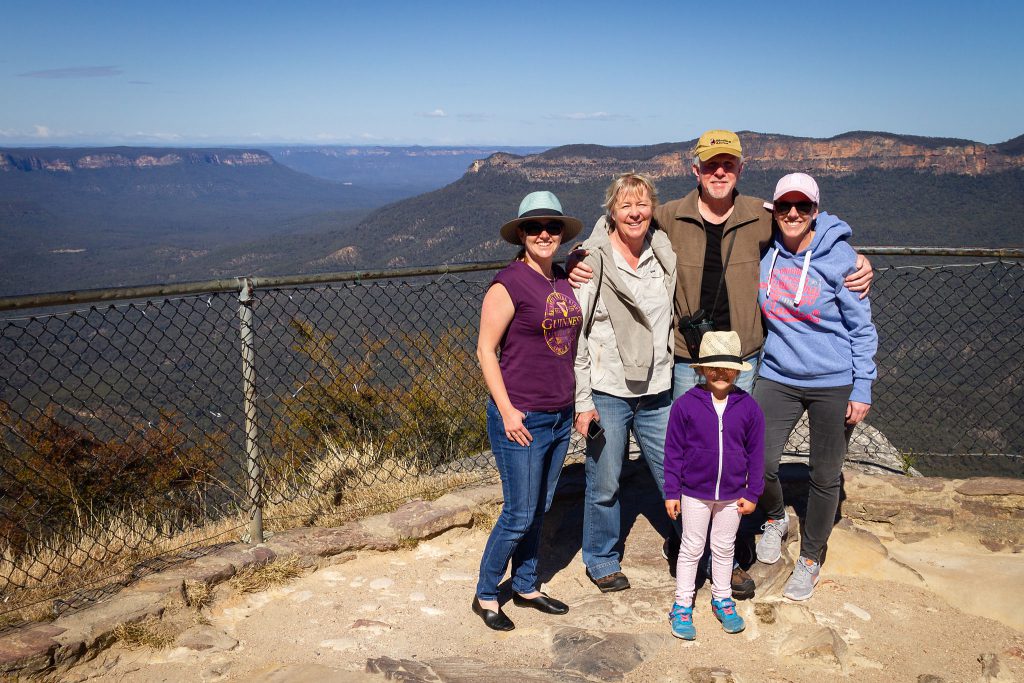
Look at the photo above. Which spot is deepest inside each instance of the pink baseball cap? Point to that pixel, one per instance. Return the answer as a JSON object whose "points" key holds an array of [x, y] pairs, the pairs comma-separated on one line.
{"points": [[797, 182]]}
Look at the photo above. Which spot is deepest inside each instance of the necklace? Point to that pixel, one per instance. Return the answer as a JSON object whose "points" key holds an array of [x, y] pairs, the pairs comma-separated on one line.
{"points": [[550, 280]]}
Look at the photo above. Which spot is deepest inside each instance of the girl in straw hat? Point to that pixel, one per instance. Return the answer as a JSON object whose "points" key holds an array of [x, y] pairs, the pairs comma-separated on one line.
{"points": [[714, 471]]}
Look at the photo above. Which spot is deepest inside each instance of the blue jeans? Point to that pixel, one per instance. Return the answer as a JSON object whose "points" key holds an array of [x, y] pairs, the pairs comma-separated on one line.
{"points": [[685, 378], [647, 418], [528, 478]]}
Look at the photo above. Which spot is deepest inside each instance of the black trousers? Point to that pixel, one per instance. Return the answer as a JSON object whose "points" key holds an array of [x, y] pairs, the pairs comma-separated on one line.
{"points": [[826, 412]]}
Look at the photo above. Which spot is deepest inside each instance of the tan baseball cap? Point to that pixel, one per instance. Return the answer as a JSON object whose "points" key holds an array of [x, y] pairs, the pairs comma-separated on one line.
{"points": [[718, 142]]}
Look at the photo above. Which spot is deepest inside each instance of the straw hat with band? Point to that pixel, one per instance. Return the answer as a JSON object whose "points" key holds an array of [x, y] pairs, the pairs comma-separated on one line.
{"points": [[721, 350], [541, 204]]}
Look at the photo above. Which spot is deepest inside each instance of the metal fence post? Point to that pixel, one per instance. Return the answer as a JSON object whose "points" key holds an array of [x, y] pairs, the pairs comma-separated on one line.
{"points": [[252, 465]]}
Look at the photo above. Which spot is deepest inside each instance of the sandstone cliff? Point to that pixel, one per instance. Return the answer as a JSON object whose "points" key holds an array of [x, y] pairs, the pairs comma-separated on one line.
{"points": [[846, 153], [70, 160]]}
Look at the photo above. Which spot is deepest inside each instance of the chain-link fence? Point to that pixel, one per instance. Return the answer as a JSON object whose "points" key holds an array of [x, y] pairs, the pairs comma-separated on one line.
{"points": [[145, 428]]}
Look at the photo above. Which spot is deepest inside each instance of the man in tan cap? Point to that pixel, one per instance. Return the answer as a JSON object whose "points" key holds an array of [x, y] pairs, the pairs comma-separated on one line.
{"points": [[718, 236]]}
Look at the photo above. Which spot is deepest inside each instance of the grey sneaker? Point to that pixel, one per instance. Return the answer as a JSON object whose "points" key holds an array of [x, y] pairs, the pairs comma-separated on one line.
{"points": [[805, 577], [769, 546]]}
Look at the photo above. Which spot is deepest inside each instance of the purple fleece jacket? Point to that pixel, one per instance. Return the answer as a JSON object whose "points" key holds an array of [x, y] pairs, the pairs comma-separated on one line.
{"points": [[694, 465]]}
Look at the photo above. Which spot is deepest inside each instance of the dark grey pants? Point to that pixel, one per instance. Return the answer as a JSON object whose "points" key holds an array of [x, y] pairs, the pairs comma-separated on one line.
{"points": [[826, 413]]}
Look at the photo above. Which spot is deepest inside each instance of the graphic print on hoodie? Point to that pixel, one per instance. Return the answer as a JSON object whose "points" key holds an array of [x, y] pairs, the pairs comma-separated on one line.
{"points": [[819, 332]]}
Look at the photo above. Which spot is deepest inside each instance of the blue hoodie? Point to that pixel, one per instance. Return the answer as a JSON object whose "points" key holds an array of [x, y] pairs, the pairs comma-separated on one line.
{"points": [[819, 332]]}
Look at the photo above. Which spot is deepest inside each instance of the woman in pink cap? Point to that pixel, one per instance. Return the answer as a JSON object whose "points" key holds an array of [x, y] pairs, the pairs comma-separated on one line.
{"points": [[818, 357]]}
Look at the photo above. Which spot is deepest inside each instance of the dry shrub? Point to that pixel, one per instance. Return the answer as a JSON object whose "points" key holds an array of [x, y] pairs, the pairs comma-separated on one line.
{"points": [[343, 484], [412, 398], [486, 517], [113, 543], [147, 633], [355, 440], [197, 594], [58, 475], [107, 549], [256, 578]]}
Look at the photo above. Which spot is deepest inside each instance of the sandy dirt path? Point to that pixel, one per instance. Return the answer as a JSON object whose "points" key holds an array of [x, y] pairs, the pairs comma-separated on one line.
{"points": [[873, 618]]}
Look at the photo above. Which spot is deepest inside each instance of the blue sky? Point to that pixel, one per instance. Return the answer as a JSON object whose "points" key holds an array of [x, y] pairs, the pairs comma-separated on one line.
{"points": [[520, 73]]}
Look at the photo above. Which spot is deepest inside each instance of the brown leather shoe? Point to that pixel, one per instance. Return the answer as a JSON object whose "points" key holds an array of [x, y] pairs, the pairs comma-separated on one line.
{"points": [[612, 583], [742, 584]]}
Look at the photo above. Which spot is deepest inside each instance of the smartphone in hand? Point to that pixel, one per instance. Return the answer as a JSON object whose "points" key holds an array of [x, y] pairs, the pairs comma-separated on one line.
{"points": [[594, 430]]}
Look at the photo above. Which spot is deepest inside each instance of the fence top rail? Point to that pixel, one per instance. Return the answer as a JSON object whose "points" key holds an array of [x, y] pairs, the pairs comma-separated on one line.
{"points": [[237, 284]]}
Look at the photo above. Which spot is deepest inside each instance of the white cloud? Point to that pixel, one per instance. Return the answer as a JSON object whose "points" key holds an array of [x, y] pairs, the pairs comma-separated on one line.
{"points": [[41, 131], [75, 72], [436, 114], [162, 137], [589, 116]]}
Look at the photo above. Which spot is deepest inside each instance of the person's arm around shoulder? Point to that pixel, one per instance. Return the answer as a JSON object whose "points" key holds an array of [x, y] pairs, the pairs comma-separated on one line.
{"points": [[859, 280], [580, 273], [753, 445], [664, 215], [495, 316], [674, 452], [856, 313]]}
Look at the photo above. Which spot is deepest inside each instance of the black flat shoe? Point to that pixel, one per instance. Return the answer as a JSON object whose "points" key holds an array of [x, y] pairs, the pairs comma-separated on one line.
{"points": [[542, 602], [496, 620]]}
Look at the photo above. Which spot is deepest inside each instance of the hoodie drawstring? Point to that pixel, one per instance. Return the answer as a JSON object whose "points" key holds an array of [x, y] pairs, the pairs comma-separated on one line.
{"points": [[803, 276]]}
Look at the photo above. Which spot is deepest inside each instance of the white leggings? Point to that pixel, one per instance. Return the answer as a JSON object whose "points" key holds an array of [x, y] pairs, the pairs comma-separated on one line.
{"points": [[725, 520]]}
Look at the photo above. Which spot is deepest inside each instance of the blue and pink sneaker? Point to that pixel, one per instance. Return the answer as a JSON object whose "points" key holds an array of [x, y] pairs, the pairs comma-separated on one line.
{"points": [[681, 619], [725, 612]]}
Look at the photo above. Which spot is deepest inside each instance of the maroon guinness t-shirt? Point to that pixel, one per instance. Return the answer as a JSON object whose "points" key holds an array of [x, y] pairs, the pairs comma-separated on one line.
{"points": [[538, 350]]}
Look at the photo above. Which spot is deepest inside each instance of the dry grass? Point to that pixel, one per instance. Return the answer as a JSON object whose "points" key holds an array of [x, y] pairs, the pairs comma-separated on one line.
{"points": [[197, 594], [487, 516], [105, 550], [256, 578], [365, 482], [340, 486], [146, 633]]}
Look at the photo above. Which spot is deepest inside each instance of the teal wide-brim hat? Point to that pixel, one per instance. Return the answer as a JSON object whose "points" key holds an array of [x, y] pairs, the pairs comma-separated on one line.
{"points": [[541, 204]]}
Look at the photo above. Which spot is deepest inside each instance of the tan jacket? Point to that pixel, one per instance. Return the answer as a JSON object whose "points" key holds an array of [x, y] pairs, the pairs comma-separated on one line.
{"points": [[750, 226]]}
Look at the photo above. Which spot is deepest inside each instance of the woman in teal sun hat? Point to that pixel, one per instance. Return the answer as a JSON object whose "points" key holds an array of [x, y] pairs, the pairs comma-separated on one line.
{"points": [[526, 347]]}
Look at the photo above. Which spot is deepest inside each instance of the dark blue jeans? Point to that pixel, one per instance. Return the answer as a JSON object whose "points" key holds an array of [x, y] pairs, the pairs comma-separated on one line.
{"points": [[528, 479]]}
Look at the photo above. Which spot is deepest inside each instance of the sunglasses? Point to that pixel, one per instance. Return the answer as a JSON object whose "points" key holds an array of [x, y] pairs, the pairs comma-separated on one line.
{"points": [[534, 228], [802, 208]]}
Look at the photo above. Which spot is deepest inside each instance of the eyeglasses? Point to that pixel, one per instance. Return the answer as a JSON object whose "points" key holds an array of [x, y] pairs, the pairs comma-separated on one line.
{"points": [[534, 228], [802, 208], [711, 167]]}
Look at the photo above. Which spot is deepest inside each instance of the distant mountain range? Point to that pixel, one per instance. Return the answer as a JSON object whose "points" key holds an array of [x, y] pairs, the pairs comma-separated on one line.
{"points": [[77, 218], [893, 190]]}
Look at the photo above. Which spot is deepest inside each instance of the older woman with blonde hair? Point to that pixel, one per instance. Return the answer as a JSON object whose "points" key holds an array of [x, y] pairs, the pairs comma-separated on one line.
{"points": [[623, 361]]}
